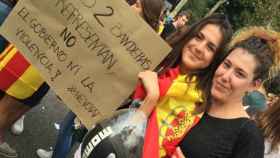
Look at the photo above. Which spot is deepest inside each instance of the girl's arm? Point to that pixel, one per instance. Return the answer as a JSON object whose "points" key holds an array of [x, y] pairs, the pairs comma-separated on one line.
{"points": [[150, 83]]}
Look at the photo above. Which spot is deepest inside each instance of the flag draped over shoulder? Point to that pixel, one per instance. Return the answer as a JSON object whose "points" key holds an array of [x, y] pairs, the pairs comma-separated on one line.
{"points": [[18, 78], [174, 115]]}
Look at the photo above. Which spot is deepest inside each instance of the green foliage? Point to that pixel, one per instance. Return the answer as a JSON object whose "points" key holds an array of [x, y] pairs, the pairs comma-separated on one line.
{"points": [[198, 8], [253, 13], [240, 12]]}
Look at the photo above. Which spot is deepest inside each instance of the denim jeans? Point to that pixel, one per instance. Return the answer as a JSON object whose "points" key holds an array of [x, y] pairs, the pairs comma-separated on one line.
{"points": [[65, 137], [4, 12]]}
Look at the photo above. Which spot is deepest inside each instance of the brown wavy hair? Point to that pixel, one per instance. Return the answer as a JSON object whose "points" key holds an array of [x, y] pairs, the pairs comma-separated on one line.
{"points": [[263, 53], [269, 123]]}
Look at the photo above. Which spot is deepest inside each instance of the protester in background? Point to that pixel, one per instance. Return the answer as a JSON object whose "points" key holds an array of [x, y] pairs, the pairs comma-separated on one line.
{"points": [[269, 124], [179, 21], [226, 130], [268, 121], [151, 11], [21, 87], [5, 8], [272, 87]]}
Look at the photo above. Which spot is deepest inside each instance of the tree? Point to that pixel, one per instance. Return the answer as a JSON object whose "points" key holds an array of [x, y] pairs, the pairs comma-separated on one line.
{"points": [[215, 7], [253, 12], [198, 8], [240, 12]]}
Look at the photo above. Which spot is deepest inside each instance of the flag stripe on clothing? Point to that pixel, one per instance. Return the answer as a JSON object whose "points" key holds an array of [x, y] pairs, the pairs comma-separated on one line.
{"points": [[13, 69], [6, 56], [27, 84]]}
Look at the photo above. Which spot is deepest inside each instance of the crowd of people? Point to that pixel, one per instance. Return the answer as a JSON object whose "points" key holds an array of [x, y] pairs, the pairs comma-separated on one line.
{"points": [[203, 100]]}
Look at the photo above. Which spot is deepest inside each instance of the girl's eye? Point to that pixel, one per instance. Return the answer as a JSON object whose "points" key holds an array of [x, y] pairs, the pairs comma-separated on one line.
{"points": [[211, 48], [240, 74], [226, 65], [199, 36]]}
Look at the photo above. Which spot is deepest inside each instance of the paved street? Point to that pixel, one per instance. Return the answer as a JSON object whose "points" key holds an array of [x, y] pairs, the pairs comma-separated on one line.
{"points": [[40, 131]]}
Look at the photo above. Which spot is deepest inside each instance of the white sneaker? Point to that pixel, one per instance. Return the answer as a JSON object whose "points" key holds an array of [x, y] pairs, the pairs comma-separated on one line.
{"points": [[7, 151], [44, 153], [18, 127]]}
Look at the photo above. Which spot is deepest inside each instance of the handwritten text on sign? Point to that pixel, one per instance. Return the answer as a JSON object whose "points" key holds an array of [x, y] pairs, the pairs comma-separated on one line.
{"points": [[89, 51]]}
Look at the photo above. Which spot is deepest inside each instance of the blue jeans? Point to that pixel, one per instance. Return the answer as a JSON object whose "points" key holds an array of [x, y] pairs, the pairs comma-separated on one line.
{"points": [[4, 12], [65, 137]]}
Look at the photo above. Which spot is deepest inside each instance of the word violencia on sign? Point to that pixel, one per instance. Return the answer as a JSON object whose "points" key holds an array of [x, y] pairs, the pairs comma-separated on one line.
{"points": [[89, 51]]}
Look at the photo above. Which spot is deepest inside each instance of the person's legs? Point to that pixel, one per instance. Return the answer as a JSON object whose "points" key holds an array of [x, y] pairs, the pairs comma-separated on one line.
{"points": [[64, 140], [18, 127], [65, 137], [10, 110]]}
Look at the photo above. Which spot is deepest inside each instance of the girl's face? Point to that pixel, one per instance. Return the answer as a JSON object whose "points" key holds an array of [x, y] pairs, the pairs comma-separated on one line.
{"points": [[200, 50], [235, 76]]}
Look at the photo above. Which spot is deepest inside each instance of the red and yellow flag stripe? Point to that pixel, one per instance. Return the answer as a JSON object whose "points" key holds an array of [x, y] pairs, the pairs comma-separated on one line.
{"points": [[18, 77]]}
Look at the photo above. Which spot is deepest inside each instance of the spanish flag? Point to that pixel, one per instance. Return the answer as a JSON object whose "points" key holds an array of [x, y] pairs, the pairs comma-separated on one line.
{"points": [[18, 77], [174, 115]]}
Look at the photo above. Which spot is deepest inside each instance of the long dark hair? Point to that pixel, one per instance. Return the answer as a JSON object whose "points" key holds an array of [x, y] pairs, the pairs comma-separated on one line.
{"points": [[268, 122], [152, 10], [183, 36]]}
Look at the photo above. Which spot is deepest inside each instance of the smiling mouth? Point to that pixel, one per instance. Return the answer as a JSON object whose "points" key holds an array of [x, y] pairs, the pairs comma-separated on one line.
{"points": [[220, 86], [195, 56]]}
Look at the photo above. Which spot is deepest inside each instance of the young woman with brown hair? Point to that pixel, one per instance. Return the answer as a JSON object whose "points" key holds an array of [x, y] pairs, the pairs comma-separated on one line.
{"points": [[226, 130]]}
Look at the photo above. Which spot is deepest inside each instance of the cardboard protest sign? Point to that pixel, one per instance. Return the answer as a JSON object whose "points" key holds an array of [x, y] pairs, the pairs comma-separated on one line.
{"points": [[89, 51]]}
